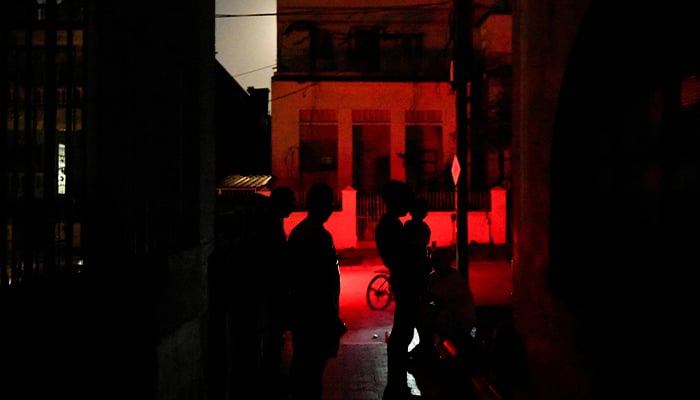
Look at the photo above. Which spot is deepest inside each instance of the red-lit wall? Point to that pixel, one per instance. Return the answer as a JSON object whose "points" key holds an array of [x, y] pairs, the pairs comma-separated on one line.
{"points": [[483, 226], [289, 98]]}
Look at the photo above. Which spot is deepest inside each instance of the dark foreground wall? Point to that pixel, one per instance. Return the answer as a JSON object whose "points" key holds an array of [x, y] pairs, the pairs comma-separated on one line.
{"points": [[603, 174]]}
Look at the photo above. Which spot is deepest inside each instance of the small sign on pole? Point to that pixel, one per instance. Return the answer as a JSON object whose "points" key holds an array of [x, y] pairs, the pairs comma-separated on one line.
{"points": [[455, 170]]}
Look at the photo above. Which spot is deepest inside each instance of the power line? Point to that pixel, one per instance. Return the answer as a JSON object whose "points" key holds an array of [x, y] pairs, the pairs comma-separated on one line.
{"points": [[244, 15], [255, 70], [301, 89], [338, 10]]}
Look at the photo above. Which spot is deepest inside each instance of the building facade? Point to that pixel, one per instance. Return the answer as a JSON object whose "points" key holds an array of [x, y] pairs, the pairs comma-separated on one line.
{"points": [[362, 95], [44, 130], [366, 93], [107, 198]]}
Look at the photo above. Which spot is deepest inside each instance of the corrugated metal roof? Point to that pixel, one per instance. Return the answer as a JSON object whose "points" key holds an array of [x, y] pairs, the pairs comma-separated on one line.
{"points": [[244, 182]]}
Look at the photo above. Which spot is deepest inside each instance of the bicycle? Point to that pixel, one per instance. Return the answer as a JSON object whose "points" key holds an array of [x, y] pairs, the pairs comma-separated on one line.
{"points": [[379, 294]]}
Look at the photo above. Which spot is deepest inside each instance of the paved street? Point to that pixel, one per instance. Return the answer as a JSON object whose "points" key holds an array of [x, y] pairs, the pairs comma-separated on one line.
{"points": [[359, 371]]}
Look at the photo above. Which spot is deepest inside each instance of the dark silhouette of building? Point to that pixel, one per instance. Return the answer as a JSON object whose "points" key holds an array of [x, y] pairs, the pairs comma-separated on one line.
{"points": [[108, 195], [243, 126]]}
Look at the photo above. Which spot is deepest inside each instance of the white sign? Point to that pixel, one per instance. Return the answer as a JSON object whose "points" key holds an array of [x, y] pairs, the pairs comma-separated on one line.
{"points": [[455, 169], [61, 168]]}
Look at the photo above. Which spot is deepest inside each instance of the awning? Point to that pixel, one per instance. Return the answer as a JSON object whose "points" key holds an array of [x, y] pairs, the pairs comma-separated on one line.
{"points": [[243, 182]]}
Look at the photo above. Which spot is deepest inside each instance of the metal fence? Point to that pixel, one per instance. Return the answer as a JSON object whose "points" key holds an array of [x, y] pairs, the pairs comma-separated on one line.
{"points": [[446, 201], [370, 207]]}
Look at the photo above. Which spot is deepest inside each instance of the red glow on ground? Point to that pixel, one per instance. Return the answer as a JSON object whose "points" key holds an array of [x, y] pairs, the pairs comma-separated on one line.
{"points": [[491, 283]]}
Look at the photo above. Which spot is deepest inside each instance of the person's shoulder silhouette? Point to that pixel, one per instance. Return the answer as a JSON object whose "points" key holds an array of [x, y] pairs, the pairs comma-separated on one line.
{"points": [[388, 234]]}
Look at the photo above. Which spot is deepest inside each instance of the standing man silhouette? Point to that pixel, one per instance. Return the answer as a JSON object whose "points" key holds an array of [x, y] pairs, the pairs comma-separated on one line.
{"points": [[418, 233], [315, 296], [391, 245], [277, 296]]}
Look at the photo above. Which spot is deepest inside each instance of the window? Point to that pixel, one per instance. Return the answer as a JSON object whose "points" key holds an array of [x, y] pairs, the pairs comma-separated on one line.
{"points": [[365, 49], [322, 51], [318, 147], [305, 48], [371, 133], [423, 158]]}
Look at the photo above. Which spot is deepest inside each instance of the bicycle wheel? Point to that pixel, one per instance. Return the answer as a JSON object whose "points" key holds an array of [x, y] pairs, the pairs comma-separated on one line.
{"points": [[379, 292]]}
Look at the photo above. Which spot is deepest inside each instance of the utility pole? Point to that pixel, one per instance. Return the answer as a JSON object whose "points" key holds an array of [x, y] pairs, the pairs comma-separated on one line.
{"points": [[462, 52]]}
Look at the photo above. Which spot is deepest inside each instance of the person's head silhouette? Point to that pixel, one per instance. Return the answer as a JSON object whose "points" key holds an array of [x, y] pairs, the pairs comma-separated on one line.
{"points": [[397, 197], [319, 202], [419, 209]]}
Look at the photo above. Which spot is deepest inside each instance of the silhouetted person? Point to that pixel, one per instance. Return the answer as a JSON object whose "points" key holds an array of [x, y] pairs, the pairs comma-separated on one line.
{"points": [[417, 233], [448, 309], [391, 245], [244, 230], [276, 293], [447, 317], [315, 292], [417, 230]]}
